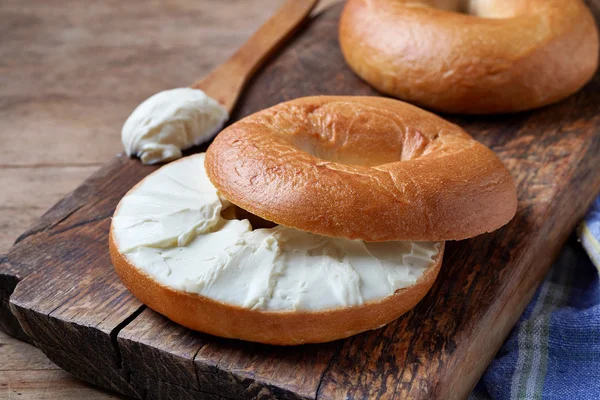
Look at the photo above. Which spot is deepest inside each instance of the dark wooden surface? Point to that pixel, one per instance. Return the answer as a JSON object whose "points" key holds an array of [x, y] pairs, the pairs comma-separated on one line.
{"points": [[70, 303]]}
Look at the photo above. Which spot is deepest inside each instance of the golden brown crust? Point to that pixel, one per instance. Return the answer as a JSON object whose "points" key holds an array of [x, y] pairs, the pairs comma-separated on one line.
{"points": [[365, 168], [535, 53], [280, 328]]}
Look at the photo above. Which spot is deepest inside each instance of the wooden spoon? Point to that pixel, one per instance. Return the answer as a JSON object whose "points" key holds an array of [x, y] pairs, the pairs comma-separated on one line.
{"points": [[226, 82]]}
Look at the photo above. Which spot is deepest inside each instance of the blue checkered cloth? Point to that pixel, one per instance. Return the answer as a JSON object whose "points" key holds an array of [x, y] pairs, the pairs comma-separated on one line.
{"points": [[554, 350]]}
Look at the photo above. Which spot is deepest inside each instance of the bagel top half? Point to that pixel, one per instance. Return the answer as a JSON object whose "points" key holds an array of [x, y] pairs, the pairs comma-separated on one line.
{"points": [[366, 168], [473, 57]]}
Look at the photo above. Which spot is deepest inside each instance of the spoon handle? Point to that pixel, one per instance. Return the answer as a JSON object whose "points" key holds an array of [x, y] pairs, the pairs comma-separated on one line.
{"points": [[226, 82]]}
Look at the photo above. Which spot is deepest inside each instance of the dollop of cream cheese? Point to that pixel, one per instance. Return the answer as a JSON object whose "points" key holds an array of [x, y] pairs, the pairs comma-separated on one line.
{"points": [[170, 226], [171, 121]]}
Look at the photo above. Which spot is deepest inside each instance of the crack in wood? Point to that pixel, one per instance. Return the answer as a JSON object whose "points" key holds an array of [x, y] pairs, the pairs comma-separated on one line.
{"points": [[50, 349], [49, 315], [49, 226], [196, 370], [79, 224], [114, 333]]}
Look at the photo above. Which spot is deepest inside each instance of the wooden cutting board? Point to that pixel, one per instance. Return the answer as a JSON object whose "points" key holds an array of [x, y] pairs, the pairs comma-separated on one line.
{"points": [[58, 288]]}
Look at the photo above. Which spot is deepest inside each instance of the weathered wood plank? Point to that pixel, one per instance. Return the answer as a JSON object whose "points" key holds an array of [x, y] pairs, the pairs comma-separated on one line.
{"points": [[23, 260], [87, 322], [243, 370], [72, 319], [156, 349]]}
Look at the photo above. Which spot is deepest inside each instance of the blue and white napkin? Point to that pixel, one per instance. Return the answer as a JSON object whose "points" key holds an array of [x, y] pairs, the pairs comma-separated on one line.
{"points": [[554, 350]]}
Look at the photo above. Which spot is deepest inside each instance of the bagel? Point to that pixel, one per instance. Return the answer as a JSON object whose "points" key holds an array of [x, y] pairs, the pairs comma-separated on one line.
{"points": [[366, 168], [506, 56], [174, 248], [284, 328]]}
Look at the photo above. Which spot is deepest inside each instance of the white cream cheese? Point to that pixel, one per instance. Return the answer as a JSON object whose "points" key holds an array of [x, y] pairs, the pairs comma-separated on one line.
{"points": [[170, 226], [171, 121]]}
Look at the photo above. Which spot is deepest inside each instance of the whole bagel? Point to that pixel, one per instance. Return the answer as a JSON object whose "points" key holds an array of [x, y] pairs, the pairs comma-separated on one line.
{"points": [[366, 168], [496, 56]]}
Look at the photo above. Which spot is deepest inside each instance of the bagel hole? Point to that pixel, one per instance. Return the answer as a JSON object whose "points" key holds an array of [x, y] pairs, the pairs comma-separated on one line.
{"points": [[350, 133], [365, 154], [459, 6], [477, 8], [232, 212], [358, 158]]}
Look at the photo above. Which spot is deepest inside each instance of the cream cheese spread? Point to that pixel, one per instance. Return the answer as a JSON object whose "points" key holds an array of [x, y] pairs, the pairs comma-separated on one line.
{"points": [[171, 121], [170, 226]]}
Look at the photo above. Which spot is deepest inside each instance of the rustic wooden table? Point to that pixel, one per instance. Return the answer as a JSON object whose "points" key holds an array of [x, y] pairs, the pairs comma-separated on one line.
{"points": [[65, 91], [71, 72]]}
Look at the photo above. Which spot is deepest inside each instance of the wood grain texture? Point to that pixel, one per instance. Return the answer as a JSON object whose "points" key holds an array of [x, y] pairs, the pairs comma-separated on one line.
{"points": [[74, 308], [73, 72], [30, 191]]}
